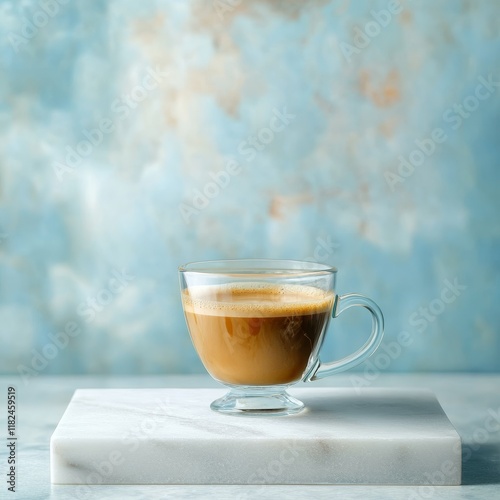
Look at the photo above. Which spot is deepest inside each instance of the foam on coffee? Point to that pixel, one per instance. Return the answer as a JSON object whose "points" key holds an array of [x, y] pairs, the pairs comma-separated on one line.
{"points": [[245, 299]]}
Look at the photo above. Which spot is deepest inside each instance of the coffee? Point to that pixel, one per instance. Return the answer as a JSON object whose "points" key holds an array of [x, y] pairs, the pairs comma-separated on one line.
{"points": [[255, 333]]}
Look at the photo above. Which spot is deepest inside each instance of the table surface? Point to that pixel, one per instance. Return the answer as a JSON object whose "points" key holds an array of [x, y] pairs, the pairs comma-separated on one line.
{"points": [[472, 403]]}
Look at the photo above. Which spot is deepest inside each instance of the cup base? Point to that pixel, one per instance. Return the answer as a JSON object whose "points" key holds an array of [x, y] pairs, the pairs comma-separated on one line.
{"points": [[257, 401]]}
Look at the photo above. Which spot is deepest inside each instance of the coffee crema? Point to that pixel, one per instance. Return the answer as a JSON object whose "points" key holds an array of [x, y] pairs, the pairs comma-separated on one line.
{"points": [[256, 333]]}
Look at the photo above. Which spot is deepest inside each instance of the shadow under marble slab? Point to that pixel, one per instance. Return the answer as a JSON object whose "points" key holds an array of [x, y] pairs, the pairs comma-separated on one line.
{"points": [[481, 463]]}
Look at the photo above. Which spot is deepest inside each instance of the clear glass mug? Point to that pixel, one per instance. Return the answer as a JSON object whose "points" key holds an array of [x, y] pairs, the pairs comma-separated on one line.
{"points": [[258, 326]]}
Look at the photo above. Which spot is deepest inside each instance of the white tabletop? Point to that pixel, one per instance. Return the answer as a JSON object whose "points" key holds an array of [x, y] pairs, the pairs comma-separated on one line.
{"points": [[472, 403]]}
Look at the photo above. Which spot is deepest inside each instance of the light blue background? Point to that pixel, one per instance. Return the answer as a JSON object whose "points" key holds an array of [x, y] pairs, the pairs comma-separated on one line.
{"points": [[220, 76]]}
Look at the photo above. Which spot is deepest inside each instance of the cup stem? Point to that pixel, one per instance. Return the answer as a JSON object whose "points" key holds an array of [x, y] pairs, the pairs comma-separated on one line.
{"points": [[257, 401]]}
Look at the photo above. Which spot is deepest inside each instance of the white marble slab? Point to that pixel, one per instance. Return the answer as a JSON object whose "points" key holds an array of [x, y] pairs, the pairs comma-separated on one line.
{"points": [[170, 436]]}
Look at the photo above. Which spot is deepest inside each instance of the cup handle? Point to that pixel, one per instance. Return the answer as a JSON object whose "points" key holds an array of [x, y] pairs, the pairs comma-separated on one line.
{"points": [[343, 302]]}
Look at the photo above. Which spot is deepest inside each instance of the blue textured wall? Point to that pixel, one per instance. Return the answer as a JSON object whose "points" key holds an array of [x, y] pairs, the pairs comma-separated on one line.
{"points": [[363, 139]]}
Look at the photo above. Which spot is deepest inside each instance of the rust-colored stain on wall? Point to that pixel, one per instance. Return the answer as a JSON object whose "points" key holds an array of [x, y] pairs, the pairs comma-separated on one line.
{"points": [[383, 92]]}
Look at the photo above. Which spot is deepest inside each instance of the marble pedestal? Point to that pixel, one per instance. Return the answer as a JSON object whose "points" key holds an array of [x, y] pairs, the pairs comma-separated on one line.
{"points": [[170, 436]]}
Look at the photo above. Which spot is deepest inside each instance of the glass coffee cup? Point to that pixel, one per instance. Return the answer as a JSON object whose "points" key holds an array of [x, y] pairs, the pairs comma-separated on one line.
{"points": [[258, 326]]}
